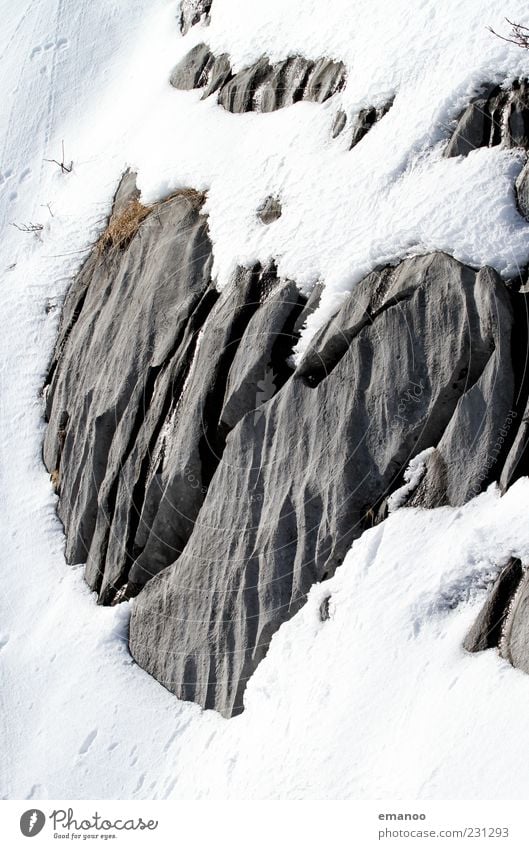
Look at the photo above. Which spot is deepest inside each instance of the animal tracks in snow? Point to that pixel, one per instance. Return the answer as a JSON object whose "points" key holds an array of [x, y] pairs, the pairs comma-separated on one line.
{"points": [[50, 47]]}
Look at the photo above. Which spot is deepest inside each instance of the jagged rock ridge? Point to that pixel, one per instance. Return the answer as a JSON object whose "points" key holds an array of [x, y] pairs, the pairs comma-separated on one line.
{"points": [[495, 116], [296, 487], [186, 450], [192, 12], [152, 369], [179, 434], [362, 123], [262, 87]]}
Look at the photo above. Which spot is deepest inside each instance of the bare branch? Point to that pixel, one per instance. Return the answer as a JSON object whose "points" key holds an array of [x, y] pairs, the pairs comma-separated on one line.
{"points": [[517, 26], [65, 169], [28, 228], [519, 35]]}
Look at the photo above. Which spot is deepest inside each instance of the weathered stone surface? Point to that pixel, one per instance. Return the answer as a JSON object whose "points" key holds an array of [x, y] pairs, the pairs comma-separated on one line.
{"points": [[141, 393], [270, 210], [408, 354], [514, 640], [475, 443], [366, 119], [243, 342], [496, 116], [199, 471], [192, 71], [339, 123], [522, 191], [362, 122], [516, 433], [486, 631], [262, 87], [124, 322], [192, 11]]}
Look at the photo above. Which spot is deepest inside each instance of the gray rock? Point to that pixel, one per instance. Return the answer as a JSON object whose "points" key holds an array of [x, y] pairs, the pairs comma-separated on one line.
{"points": [[192, 71], [142, 395], [192, 11], [340, 120], [296, 485], [217, 74], [197, 470], [366, 119], [125, 323], [487, 630], [514, 640], [516, 429], [239, 362], [262, 87], [522, 191], [324, 80], [270, 210], [496, 116], [475, 442]]}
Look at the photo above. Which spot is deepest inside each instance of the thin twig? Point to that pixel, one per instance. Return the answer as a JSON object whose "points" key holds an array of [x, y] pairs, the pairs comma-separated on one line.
{"points": [[519, 35], [66, 169], [28, 228]]}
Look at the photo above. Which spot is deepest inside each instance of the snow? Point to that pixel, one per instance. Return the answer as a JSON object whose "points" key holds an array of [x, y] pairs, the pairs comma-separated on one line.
{"points": [[412, 478], [381, 700]]}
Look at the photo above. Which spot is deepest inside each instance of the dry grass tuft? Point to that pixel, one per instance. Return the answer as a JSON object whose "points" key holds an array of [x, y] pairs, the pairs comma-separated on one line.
{"points": [[198, 199], [123, 227]]}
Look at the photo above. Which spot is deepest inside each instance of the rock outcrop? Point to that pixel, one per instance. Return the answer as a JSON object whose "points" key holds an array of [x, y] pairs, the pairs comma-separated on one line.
{"points": [[262, 87], [192, 12], [270, 210], [487, 630], [202, 473], [495, 116], [404, 360], [503, 622], [362, 122], [152, 369]]}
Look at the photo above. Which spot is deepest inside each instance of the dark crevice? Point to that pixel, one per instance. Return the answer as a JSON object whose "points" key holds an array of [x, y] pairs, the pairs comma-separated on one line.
{"points": [[147, 395], [284, 344], [259, 288], [196, 322], [203, 8], [487, 630], [300, 90], [214, 434], [58, 353], [318, 365], [520, 362], [237, 92]]}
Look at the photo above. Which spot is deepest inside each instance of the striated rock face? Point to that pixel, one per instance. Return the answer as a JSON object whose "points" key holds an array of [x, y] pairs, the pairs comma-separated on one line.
{"points": [[496, 116], [270, 210], [152, 369], [192, 12], [402, 362], [127, 332], [262, 87], [362, 123], [202, 473], [487, 630], [522, 191], [504, 620]]}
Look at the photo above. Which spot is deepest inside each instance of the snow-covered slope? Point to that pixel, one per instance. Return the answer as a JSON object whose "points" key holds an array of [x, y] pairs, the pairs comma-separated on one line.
{"points": [[384, 682]]}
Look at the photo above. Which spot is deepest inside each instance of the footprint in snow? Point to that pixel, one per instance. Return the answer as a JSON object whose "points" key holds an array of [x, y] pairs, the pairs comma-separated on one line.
{"points": [[88, 742]]}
